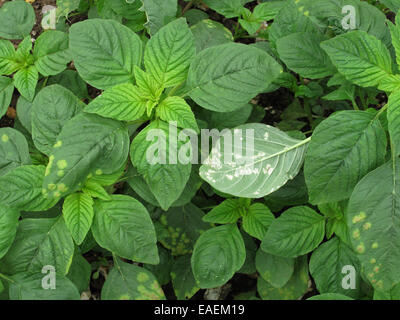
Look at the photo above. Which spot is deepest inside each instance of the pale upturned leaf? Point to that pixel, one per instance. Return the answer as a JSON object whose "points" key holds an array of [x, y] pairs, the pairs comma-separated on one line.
{"points": [[25, 81], [169, 53], [95, 190], [104, 52], [51, 52], [326, 265], [165, 179], [123, 226], [39, 243], [296, 232], [14, 150], [254, 172], [22, 188], [372, 218], [30, 287], [9, 222], [183, 280], [16, 19], [218, 254], [122, 102], [6, 91], [130, 282], [274, 269], [302, 53], [228, 8], [176, 109], [257, 220], [208, 33], [87, 145], [159, 13], [360, 57], [52, 107], [8, 63], [226, 77], [333, 169], [78, 215]]}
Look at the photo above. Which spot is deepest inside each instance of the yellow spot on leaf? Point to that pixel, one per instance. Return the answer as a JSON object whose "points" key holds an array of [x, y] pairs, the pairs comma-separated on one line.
{"points": [[62, 187], [142, 277], [367, 225], [57, 194], [360, 248], [307, 13], [62, 164], [359, 217], [374, 245], [301, 9], [376, 269], [373, 260], [58, 144], [99, 172], [356, 234], [5, 138], [51, 186], [60, 173]]}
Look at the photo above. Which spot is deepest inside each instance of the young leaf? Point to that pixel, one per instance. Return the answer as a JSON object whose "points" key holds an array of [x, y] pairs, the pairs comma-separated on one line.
{"points": [[326, 266], [8, 63], [22, 188], [228, 211], [6, 91], [169, 53], [123, 226], [14, 150], [78, 215], [9, 222], [257, 220], [302, 53], [39, 243], [183, 280], [276, 270], [16, 19], [25, 81], [296, 232], [360, 57], [95, 190], [52, 107], [372, 217], [226, 77], [130, 282], [87, 144], [122, 102], [104, 52], [218, 254], [176, 109], [333, 169], [275, 159], [51, 52]]}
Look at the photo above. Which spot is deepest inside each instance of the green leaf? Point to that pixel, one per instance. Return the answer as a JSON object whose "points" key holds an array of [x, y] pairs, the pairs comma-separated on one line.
{"points": [[14, 150], [39, 243], [302, 53], [64, 7], [9, 222], [226, 77], [71, 80], [183, 280], [257, 220], [78, 215], [22, 188], [123, 102], [95, 190], [297, 231], [294, 289], [16, 19], [274, 269], [360, 57], [165, 178], [208, 33], [25, 81], [333, 169], [52, 107], [180, 227], [159, 13], [80, 272], [228, 8], [330, 296], [326, 265], [8, 63], [51, 52], [228, 211], [372, 217], [253, 171], [104, 52], [162, 270], [123, 226], [169, 53], [87, 144], [149, 87], [176, 109], [130, 282], [6, 91], [393, 117], [218, 254]]}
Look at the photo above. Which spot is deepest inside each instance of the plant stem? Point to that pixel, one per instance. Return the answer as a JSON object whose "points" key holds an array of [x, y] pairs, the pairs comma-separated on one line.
{"points": [[187, 7], [354, 103], [381, 110], [6, 278]]}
